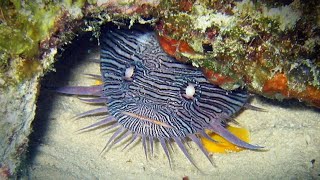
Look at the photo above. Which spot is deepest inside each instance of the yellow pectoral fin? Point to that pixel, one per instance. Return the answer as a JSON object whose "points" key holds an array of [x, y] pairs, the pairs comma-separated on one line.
{"points": [[222, 145]]}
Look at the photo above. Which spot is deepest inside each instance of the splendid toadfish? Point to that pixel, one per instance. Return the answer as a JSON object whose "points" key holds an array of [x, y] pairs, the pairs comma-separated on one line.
{"points": [[149, 95]]}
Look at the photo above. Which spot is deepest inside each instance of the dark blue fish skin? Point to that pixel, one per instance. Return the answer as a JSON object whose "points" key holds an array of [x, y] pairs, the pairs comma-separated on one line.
{"points": [[157, 87], [144, 91]]}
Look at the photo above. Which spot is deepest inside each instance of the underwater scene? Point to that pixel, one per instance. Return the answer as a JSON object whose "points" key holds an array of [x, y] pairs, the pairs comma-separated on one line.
{"points": [[190, 89], [288, 131]]}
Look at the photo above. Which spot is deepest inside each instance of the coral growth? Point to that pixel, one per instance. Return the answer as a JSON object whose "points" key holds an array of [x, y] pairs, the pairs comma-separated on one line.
{"points": [[278, 87], [237, 43], [30, 35], [246, 43], [26, 37]]}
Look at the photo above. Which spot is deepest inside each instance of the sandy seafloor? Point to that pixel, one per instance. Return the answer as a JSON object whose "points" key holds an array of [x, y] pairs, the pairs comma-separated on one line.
{"points": [[289, 130]]}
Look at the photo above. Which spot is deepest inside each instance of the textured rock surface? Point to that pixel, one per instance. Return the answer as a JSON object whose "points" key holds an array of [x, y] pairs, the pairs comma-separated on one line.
{"points": [[30, 36], [17, 111], [272, 48]]}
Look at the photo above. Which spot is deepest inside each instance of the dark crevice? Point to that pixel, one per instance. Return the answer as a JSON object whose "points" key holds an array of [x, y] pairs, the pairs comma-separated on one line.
{"points": [[70, 57]]}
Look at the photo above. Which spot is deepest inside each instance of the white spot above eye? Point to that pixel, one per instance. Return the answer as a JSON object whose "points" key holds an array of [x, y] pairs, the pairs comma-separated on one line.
{"points": [[190, 91], [129, 72]]}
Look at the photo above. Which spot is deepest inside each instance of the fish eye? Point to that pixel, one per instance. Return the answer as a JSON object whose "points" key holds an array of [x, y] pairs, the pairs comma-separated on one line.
{"points": [[129, 73], [190, 91]]}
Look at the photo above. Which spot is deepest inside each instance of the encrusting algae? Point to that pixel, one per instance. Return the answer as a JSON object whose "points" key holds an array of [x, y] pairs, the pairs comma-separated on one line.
{"points": [[237, 43], [248, 43]]}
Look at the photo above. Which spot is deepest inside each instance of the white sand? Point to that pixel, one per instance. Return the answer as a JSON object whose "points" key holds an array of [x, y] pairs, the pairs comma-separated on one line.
{"points": [[290, 132]]}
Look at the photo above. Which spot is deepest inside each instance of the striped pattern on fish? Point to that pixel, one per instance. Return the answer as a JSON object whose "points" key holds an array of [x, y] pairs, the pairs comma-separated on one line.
{"points": [[150, 95]]}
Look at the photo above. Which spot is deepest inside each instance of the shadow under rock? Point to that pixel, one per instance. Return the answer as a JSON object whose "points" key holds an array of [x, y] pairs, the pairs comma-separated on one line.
{"points": [[286, 103], [72, 56]]}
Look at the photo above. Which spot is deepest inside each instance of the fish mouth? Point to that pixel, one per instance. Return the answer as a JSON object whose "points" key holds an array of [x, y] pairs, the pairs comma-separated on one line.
{"points": [[145, 118]]}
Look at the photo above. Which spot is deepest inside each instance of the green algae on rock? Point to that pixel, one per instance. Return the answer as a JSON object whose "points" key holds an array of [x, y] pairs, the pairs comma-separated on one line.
{"points": [[251, 42], [27, 50], [31, 35]]}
